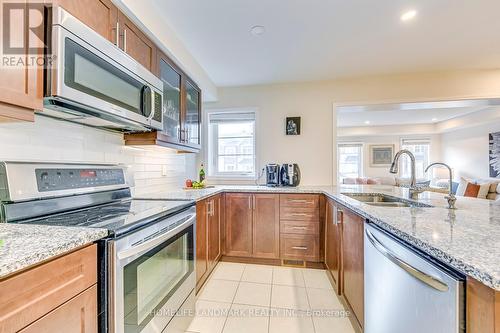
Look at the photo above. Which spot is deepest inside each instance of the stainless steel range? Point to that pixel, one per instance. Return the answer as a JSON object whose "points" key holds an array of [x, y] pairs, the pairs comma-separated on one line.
{"points": [[146, 265]]}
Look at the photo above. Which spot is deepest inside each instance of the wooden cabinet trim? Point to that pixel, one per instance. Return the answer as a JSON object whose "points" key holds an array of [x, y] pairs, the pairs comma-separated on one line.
{"points": [[32, 294]]}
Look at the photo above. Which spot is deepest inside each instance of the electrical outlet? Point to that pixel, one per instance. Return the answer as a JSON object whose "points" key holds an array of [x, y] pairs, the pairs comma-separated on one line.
{"points": [[163, 170]]}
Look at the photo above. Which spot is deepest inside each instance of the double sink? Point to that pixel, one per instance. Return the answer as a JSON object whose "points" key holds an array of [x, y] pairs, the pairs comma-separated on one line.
{"points": [[384, 200]]}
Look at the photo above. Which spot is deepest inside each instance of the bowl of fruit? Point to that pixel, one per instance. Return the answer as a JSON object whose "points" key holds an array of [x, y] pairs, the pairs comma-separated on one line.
{"points": [[194, 185]]}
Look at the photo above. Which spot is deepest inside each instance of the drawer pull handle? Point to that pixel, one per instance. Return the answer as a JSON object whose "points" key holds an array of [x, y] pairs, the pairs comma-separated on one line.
{"points": [[302, 201], [299, 228], [300, 214], [299, 248]]}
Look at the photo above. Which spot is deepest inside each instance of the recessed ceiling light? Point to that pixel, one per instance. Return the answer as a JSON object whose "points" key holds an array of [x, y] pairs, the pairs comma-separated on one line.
{"points": [[257, 30], [409, 15], [367, 122], [434, 119]]}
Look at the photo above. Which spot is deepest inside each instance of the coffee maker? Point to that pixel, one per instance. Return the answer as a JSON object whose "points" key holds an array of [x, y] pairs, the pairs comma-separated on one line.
{"points": [[290, 175], [272, 175]]}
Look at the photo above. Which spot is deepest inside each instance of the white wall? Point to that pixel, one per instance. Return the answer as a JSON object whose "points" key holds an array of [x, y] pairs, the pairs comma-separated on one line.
{"points": [[466, 150], [52, 140], [315, 150]]}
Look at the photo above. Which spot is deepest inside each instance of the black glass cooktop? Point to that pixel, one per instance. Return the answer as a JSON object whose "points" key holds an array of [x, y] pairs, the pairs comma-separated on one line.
{"points": [[117, 217]]}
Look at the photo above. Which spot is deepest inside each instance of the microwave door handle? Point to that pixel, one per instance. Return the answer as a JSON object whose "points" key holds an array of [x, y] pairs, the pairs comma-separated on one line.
{"points": [[152, 243], [415, 272]]}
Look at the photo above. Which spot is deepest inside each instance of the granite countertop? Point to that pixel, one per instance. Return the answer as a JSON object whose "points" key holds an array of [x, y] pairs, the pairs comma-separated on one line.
{"points": [[22, 246], [467, 239]]}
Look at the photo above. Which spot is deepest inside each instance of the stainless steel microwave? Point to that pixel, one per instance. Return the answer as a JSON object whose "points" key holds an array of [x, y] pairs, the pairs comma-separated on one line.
{"points": [[93, 82]]}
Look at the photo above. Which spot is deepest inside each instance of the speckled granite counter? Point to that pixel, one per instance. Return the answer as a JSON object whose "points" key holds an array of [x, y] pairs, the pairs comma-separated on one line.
{"points": [[467, 239], [22, 246]]}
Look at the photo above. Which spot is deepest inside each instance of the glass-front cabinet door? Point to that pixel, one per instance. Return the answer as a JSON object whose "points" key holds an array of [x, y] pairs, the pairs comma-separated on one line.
{"points": [[193, 114], [172, 101]]}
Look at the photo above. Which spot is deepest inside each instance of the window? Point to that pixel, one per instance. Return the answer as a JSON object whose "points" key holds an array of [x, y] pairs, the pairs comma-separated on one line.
{"points": [[421, 149], [350, 160], [231, 144]]}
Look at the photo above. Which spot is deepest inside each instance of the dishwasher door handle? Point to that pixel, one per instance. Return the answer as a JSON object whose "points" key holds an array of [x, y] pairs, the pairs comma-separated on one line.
{"points": [[415, 272]]}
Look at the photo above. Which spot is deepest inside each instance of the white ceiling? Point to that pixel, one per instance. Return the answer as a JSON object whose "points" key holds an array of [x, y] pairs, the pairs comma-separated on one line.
{"points": [[308, 40], [401, 117]]}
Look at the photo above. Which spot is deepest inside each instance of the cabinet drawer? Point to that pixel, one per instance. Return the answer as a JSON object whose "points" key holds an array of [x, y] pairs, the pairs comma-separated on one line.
{"points": [[78, 315], [299, 227], [300, 200], [299, 214], [302, 247], [28, 296]]}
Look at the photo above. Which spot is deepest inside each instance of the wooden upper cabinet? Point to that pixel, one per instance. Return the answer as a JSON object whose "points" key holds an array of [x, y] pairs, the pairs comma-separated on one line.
{"points": [[239, 224], [21, 86], [134, 42], [100, 15], [333, 232], [266, 226], [353, 262]]}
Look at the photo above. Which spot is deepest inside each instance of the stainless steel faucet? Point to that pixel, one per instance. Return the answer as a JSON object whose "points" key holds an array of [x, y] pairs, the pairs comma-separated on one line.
{"points": [[414, 190], [450, 197]]}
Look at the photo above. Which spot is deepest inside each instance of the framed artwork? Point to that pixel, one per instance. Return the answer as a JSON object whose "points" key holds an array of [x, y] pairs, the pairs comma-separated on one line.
{"points": [[292, 126], [381, 155], [494, 153]]}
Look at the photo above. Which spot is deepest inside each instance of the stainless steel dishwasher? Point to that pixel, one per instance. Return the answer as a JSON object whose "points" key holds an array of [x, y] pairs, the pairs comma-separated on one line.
{"points": [[407, 292]]}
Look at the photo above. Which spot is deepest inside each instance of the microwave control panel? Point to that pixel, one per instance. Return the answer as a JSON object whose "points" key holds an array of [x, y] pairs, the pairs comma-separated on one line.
{"points": [[66, 179]]}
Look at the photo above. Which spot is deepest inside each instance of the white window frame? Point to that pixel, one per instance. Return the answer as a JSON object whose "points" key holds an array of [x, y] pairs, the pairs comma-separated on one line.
{"points": [[417, 141], [361, 158], [211, 175]]}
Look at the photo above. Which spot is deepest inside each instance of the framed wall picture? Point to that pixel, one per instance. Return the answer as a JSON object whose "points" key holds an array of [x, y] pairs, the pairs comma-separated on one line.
{"points": [[292, 126], [494, 153], [381, 155]]}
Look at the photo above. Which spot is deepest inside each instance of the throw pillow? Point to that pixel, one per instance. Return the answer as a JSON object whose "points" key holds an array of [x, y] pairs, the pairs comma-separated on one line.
{"points": [[471, 190]]}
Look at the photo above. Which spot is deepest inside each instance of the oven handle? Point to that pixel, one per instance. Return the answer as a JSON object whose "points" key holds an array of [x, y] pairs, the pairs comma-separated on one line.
{"points": [[152, 243]]}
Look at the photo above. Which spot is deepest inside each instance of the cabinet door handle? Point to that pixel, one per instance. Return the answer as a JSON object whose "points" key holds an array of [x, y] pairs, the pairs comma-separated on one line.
{"points": [[125, 40], [117, 34], [302, 201], [303, 248], [254, 203], [340, 216], [299, 228], [300, 214], [250, 202]]}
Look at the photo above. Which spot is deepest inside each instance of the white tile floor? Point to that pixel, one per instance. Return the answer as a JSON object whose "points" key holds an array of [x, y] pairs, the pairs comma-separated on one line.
{"points": [[244, 298]]}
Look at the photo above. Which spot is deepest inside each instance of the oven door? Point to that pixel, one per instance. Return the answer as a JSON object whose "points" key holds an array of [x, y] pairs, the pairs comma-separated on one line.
{"points": [[153, 276]]}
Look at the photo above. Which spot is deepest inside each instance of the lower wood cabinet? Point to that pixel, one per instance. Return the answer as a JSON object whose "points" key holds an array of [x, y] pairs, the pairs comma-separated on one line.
{"points": [[300, 227], [266, 228], [239, 216], [58, 296], [78, 315], [208, 236], [353, 262], [252, 225], [333, 243]]}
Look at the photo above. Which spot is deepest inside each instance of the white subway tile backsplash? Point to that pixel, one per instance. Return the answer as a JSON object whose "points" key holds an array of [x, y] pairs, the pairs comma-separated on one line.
{"points": [[56, 141]]}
